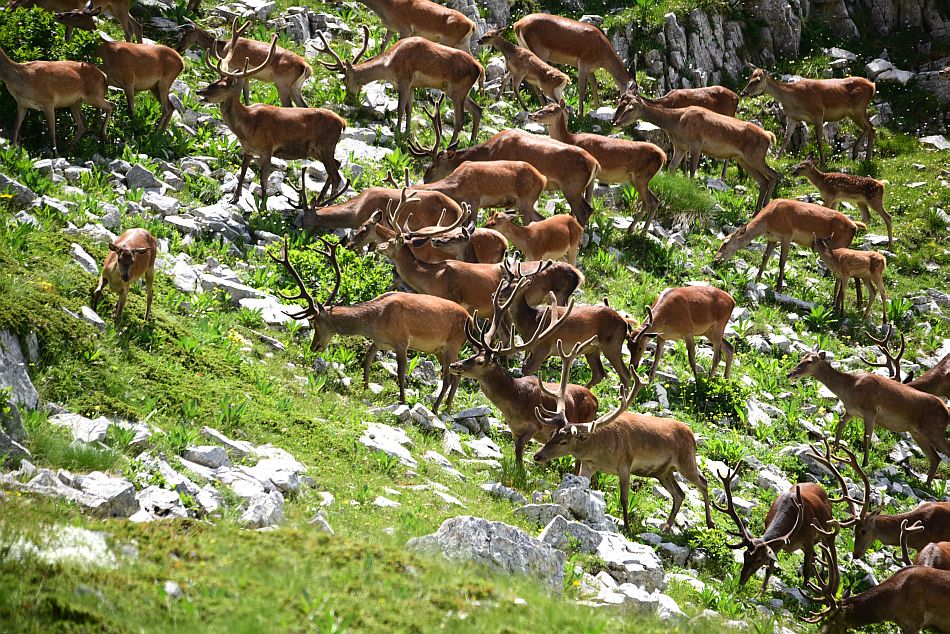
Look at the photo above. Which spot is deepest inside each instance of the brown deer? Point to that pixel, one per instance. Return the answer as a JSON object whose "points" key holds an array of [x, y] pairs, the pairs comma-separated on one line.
{"points": [[881, 401], [118, 8], [523, 65], [624, 444], [554, 238], [266, 131], [621, 161], [131, 256], [696, 131], [933, 555], [393, 321], [286, 70], [836, 188], [784, 221], [413, 63], [517, 398], [48, 86], [864, 266], [562, 40], [817, 101], [686, 313], [934, 381], [423, 18]]}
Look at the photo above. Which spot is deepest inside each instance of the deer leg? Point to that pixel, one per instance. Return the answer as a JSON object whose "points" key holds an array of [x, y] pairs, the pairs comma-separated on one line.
{"points": [[449, 382], [615, 357], [284, 93], [97, 294], [782, 257], [790, 125], [725, 166], [880, 287], [869, 421], [878, 206], [716, 340], [161, 93], [582, 72], [695, 154], [385, 43], [245, 161], [401, 363], [76, 112], [149, 288], [678, 155], [872, 295], [20, 115], [520, 443], [625, 496], [857, 291], [691, 354], [597, 371], [120, 303], [769, 250], [265, 176], [130, 99], [930, 452], [516, 88], [865, 213], [657, 355], [106, 106], [594, 90], [51, 124], [368, 361], [670, 484], [869, 130], [769, 567], [476, 111], [840, 428], [693, 475], [820, 139], [730, 353]]}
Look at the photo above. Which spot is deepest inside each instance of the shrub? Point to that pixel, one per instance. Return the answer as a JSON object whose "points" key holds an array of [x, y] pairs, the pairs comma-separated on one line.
{"points": [[713, 398], [364, 278]]}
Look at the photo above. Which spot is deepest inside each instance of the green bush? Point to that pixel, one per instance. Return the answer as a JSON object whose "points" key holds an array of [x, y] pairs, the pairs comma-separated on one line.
{"points": [[713, 398]]}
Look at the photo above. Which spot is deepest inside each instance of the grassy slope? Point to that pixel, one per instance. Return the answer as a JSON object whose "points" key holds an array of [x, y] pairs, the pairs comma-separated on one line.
{"points": [[187, 366]]}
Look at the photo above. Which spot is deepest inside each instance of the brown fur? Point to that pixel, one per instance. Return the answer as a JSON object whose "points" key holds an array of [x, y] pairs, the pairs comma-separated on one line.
{"points": [[131, 256], [871, 525], [423, 18], [118, 8], [935, 555], [554, 238], [480, 245], [425, 211], [936, 380], [864, 266], [523, 65]]}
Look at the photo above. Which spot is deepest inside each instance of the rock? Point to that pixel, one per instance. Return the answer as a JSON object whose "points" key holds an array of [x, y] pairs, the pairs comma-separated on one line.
{"points": [[11, 450], [110, 497], [186, 225], [937, 141], [173, 591], [320, 522], [138, 177], [385, 503], [840, 53], [877, 67], [425, 419], [484, 448], [264, 510], [235, 448], [210, 456], [782, 31], [158, 503], [160, 204], [495, 68], [604, 113], [89, 316], [674, 552], [81, 428], [498, 490], [500, 547], [574, 494], [83, 259], [629, 562], [173, 479], [209, 499], [390, 440], [235, 290], [542, 514], [445, 497], [279, 473], [70, 545], [452, 443], [773, 480], [569, 537], [22, 197], [13, 372]]}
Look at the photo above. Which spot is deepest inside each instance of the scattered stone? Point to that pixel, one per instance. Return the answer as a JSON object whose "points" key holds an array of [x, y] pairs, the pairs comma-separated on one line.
{"points": [[542, 514], [236, 448], [81, 428], [568, 536], [138, 177], [320, 522], [13, 372], [66, 545], [498, 490], [385, 503], [263, 511], [938, 141], [173, 591], [484, 448], [83, 259], [158, 503], [210, 456], [390, 440]]}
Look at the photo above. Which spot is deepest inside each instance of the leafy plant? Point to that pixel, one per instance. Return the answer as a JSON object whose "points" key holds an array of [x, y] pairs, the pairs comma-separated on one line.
{"points": [[229, 413], [820, 318]]}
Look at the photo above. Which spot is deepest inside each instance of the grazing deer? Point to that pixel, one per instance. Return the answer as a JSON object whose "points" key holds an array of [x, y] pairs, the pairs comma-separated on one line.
{"points": [[133, 67], [836, 188], [118, 8], [934, 381], [879, 400], [624, 444], [48, 86], [266, 131], [933, 555], [393, 321], [523, 65], [423, 18], [413, 63], [480, 245], [131, 256], [517, 398], [686, 313], [864, 266], [554, 238], [696, 131], [286, 70], [818, 101], [784, 221], [621, 161], [565, 41]]}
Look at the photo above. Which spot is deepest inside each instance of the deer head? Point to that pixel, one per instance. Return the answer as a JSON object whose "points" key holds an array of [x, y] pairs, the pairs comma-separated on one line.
{"points": [[630, 109], [757, 82], [339, 65], [126, 258], [440, 159], [810, 363], [729, 247], [230, 83]]}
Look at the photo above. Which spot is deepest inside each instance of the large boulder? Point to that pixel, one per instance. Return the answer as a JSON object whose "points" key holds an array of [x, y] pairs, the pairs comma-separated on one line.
{"points": [[13, 372]]}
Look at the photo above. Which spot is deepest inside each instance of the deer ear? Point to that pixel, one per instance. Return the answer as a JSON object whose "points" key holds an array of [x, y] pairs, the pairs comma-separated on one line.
{"points": [[112, 247], [822, 355]]}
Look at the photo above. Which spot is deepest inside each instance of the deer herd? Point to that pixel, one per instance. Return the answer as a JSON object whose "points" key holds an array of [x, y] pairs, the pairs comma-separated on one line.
{"points": [[466, 290]]}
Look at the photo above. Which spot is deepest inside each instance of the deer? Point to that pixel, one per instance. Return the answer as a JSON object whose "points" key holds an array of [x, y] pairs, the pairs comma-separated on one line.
{"points": [[423, 18], [622, 443], [864, 266], [881, 401], [562, 40], [934, 381], [266, 131], [836, 187], [685, 313], [523, 65], [286, 70], [694, 130], [411, 63], [817, 101], [554, 238], [933, 555], [517, 398], [131, 256], [132, 67], [784, 221], [48, 86], [621, 161], [392, 321], [118, 8]]}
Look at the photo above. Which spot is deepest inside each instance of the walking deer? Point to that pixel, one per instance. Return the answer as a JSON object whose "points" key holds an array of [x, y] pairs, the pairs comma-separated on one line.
{"points": [[554, 238], [864, 266], [131, 256], [423, 18], [523, 65]]}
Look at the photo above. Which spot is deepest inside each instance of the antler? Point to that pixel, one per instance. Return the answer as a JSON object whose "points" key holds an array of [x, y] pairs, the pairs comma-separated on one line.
{"points": [[730, 510], [312, 307], [322, 200], [436, 115], [338, 65], [391, 215], [541, 332], [558, 416], [431, 232], [329, 252], [825, 590], [242, 74], [799, 517], [905, 531], [391, 181], [827, 459], [892, 362]]}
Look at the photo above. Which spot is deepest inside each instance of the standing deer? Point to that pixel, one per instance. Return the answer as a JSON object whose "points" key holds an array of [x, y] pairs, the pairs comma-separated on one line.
{"points": [[423, 18], [554, 238], [523, 65], [836, 188], [428, 207], [864, 266], [879, 400], [286, 70], [818, 101], [695, 131], [48, 86], [933, 555], [784, 221], [266, 131], [118, 8], [565, 41], [686, 313], [131, 256], [621, 161], [934, 381], [413, 63], [393, 321]]}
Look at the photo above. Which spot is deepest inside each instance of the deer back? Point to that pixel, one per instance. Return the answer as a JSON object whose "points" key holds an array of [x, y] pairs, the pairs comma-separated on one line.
{"points": [[912, 597], [783, 516], [934, 555], [936, 380], [691, 310], [284, 65], [567, 41], [354, 212], [141, 65], [801, 222], [718, 99]]}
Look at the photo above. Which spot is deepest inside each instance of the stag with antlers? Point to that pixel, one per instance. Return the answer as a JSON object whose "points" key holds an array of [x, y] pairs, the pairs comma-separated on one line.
{"points": [[933, 555], [934, 381]]}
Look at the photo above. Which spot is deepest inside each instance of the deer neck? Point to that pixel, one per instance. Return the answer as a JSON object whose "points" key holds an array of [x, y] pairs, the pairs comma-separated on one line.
{"points": [[341, 215], [502, 390], [506, 48], [557, 129], [9, 70], [350, 320], [665, 118], [783, 522], [616, 69], [887, 528], [415, 272], [525, 316], [232, 110], [835, 380], [375, 69], [777, 89]]}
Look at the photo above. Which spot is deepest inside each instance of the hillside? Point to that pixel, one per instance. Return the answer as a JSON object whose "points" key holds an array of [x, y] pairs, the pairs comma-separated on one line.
{"points": [[269, 491]]}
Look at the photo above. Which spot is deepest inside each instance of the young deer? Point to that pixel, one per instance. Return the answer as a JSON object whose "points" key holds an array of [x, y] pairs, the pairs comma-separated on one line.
{"points": [[565, 41], [879, 400], [554, 238], [413, 63], [786, 221], [266, 131], [286, 70], [934, 381], [686, 313], [423, 18], [393, 321], [818, 101], [131, 256], [624, 444], [621, 161], [523, 65], [118, 8], [836, 188], [696, 131], [864, 266], [48, 86]]}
